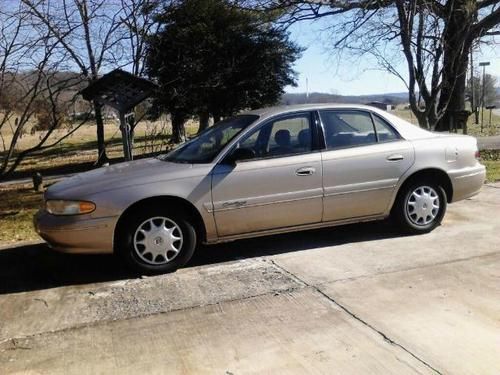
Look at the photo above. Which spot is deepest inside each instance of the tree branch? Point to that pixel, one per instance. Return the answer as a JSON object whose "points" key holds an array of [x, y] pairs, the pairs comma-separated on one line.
{"points": [[482, 27]]}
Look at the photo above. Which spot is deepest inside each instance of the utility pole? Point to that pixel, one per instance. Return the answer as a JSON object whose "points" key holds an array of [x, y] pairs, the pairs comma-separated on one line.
{"points": [[473, 105], [484, 65], [307, 90]]}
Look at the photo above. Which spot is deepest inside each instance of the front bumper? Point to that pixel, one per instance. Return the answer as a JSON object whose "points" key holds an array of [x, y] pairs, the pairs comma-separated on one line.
{"points": [[76, 234], [467, 182]]}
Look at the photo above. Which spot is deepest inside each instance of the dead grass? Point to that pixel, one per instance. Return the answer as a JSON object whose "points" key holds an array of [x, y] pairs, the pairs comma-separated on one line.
{"points": [[18, 204], [472, 128], [79, 151]]}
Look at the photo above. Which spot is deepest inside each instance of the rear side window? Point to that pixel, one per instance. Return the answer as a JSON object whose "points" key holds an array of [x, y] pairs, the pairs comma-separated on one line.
{"points": [[347, 128], [385, 132]]}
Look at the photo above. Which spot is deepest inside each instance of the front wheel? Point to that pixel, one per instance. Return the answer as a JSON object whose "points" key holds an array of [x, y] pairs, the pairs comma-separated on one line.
{"points": [[152, 241], [420, 207]]}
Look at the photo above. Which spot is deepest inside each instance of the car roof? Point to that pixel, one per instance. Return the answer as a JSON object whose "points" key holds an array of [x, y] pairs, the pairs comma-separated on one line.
{"points": [[406, 129], [277, 110]]}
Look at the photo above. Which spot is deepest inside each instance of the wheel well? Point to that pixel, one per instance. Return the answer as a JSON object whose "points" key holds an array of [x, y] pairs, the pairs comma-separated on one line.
{"points": [[438, 175], [171, 202]]}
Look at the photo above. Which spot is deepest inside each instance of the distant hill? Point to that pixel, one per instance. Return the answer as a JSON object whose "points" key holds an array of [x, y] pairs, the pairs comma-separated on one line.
{"points": [[319, 97]]}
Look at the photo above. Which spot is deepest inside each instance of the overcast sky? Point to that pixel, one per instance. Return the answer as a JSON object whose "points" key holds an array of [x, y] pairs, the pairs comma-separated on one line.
{"points": [[348, 77]]}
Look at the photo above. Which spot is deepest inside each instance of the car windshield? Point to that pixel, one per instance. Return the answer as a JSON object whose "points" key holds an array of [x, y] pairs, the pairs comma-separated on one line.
{"points": [[206, 146]]}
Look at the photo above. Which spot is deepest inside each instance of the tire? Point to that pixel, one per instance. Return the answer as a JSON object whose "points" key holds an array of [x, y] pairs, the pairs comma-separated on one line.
{"points": [[147, 240], [417, 215]]}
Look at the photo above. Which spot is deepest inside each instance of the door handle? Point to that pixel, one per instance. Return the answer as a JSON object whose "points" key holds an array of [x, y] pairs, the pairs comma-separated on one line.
{"points": [[395, 157], [307, 171]]}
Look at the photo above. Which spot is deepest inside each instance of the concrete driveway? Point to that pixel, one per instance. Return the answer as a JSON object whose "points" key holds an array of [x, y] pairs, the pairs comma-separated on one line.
{"points": [[489, 143], [350, 300]]}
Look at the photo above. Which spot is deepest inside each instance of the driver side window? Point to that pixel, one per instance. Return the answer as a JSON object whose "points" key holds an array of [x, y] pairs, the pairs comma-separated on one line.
{"points": [[282, 137]]}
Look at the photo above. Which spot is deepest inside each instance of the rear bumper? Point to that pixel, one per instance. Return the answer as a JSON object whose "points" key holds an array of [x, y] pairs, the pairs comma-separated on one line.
{"points": [[467, 182], [75, 234]]}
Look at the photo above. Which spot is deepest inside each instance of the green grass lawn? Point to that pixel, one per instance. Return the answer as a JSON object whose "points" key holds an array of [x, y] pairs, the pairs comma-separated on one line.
{"points": [[491, 159], [492, 170]]}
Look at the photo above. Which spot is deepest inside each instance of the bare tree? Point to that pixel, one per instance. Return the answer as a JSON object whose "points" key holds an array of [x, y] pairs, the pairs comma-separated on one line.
{"points": [[29, 88], [434, 38], [139, 21], [95, 35]]}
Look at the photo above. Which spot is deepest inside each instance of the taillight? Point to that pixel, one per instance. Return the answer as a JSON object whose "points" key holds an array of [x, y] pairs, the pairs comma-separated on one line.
{"points": [[477, 154]]}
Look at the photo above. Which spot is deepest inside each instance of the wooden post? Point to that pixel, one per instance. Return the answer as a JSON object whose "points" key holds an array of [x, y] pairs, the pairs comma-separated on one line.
{"points": [[124, 127]]}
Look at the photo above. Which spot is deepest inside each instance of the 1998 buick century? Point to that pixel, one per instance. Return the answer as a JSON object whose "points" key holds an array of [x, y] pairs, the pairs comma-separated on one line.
{"points": [[263, 172]]}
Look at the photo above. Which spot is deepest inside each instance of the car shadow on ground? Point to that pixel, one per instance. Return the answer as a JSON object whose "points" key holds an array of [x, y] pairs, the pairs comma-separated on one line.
{"points": [[35, 267]]}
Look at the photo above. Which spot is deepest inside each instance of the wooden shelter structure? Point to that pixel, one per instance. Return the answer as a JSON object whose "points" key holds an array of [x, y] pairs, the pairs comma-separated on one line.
{"points": [[122, 91]]}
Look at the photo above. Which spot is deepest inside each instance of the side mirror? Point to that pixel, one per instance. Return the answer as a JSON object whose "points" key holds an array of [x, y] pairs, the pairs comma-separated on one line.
{"points": [[241, 154]]}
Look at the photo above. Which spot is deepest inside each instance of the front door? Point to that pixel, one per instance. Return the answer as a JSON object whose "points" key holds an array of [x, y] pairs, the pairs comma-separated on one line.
{"points": [[278, 185], [364, 159]]}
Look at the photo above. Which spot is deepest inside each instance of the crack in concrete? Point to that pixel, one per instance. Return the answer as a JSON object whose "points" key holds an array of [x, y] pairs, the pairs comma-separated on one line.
{"points": [[356, 317], [301, 284]]}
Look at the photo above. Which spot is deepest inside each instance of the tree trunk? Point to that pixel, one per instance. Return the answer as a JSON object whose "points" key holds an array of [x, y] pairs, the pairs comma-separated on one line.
{"points": [[453, 95], [455, 58], [204, 118], [216, 117], [102, 158], [178, 132], [423, 120]]}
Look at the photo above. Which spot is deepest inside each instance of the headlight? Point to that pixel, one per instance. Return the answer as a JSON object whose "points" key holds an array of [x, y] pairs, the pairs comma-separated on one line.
{"points": [[60, 207]]}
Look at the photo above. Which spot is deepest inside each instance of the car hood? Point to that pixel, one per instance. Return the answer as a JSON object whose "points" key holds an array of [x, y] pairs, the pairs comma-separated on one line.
{"points": [[121, 175]]}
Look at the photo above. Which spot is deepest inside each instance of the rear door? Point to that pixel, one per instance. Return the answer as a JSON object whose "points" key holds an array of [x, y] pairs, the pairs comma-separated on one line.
{"points": [[363, 161]]}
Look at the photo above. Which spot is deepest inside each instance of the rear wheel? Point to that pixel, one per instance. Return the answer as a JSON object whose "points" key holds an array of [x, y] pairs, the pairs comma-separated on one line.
{"points": [[420, 207], [153, 241]]}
